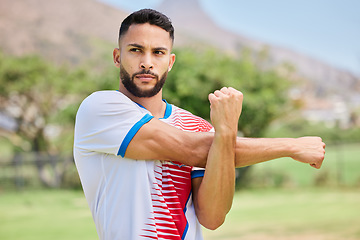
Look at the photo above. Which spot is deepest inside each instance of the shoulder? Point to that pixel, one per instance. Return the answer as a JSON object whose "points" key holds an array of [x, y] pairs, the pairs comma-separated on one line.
{"points": [[107, 100], [106, 96], [108, 104], [188, 121]]}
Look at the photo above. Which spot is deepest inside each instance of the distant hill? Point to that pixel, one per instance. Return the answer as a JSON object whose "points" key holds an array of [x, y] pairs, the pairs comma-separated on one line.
{"points": [[75, 31], [321, 79], [60, 30]]}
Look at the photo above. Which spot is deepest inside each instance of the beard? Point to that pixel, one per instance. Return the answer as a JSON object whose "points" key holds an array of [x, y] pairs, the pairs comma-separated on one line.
{"points": [[128, 82]]}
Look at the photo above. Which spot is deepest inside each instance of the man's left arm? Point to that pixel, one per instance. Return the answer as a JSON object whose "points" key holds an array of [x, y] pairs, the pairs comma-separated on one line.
{"points": [[213, 193]]}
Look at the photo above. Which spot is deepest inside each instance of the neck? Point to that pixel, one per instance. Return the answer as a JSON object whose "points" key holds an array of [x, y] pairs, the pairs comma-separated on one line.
{"points": [[154, 104]]}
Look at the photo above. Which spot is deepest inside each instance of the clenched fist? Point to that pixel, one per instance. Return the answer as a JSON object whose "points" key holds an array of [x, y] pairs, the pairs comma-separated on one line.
{"points": [[226, 106], [309, 150]]}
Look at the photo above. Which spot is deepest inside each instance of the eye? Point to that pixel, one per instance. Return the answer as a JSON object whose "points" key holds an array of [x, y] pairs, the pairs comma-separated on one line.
{"points": [[159, 52], [135, 50]]}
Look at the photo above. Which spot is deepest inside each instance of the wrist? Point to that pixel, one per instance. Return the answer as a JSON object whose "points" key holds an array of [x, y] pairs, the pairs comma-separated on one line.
{"points": [[225, 135], [280, 147], [226, 130], [290, 147], [226, 141]]}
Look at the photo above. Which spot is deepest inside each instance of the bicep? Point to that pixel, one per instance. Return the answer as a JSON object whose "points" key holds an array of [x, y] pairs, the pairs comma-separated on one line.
{"points": [[160, 141], [149, 143]]}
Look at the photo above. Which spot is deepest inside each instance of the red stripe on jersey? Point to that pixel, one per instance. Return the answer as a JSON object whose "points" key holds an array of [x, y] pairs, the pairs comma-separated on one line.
{"points": [[172, 185]]}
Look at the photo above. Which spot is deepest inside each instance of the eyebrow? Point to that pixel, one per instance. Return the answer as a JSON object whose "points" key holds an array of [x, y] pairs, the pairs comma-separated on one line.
{"points": [[142, 47]]}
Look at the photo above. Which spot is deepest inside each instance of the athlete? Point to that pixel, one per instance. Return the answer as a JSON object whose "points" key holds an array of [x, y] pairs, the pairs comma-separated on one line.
{"points": [[151, 170]]}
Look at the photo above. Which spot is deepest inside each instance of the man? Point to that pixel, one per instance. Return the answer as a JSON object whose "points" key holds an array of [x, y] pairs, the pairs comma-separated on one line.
{"points": [[137, 155]]}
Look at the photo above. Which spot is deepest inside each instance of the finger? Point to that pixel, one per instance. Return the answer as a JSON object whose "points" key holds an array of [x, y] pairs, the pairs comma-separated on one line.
{"points": [[211, 97], [225, 90], [233, 90], [236, 94], [220, 93], [314, 165]]}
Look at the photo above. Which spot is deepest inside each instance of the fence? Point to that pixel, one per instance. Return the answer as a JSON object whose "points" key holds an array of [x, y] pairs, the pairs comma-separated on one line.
{"points": [[35, 170], [340, 168]]}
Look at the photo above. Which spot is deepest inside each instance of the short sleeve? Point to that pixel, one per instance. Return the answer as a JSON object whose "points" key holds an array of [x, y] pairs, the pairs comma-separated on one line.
{"points": [[107, 121], [197, 172]]}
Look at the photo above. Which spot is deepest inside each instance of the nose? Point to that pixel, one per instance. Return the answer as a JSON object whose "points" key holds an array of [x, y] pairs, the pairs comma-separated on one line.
{"points": [[146, 63], [145, 66]]}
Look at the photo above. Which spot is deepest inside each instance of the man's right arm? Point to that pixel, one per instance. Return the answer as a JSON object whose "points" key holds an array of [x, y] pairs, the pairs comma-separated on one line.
{"points": [[160, 141], [105, 117], [250, 151]]}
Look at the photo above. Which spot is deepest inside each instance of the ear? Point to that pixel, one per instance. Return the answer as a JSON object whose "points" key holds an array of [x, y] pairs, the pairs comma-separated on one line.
{"points": [[116, 57], [172, 61]]}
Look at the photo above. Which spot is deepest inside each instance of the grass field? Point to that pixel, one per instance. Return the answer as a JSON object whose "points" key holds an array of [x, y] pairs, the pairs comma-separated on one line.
{"points": [[285, 214], [315, 214]]}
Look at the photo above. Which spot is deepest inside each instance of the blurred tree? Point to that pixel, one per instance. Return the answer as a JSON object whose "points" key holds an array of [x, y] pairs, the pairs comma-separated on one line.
{"points": [[42, 99], [196, 73]]}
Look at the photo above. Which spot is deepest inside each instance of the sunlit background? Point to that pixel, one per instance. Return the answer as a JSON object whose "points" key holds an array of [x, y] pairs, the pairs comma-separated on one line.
{"points": [[326, 30], [297, 63]]}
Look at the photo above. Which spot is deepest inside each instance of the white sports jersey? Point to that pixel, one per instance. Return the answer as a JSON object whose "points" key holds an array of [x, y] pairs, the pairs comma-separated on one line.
{"points": [[133, 199]]}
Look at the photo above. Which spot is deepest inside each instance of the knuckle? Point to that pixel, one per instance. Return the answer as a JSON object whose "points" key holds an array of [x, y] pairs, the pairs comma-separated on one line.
{"points": [[224, 89]]}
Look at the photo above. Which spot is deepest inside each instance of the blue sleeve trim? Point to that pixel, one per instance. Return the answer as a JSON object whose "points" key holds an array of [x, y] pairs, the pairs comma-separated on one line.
{"points": [[197, 173], [129, 136]]}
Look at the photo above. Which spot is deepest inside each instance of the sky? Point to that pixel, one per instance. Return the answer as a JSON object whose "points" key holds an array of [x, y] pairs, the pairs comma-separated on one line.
{"points": [[328, 30]]}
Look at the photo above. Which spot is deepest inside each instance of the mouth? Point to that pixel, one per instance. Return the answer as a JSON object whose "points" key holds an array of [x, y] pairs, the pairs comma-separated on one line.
{"points": [[145, 77]]}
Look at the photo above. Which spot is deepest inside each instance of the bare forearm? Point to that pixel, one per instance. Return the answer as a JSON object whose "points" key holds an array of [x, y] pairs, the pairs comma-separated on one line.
{"points": [[218, 183], [251, 151]]}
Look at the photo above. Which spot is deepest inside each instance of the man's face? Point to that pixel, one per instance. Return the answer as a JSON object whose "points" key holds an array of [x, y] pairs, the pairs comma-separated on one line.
{"points": [[144, 58], [138, 91]]}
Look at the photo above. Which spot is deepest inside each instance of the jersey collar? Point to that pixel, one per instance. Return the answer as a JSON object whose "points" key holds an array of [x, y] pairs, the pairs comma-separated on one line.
{"points": [[168, 109]]}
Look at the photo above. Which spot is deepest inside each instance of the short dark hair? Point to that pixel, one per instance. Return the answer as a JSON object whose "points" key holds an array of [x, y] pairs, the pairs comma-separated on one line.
{"points": [[150, 16]]}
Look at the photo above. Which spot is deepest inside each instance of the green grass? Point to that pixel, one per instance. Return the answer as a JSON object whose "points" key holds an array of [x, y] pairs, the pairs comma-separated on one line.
{"points": [[325, 214], [46, 214], [288, 214]]}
